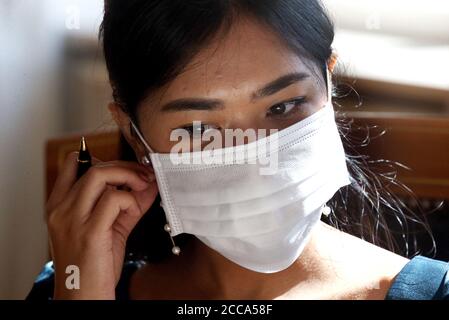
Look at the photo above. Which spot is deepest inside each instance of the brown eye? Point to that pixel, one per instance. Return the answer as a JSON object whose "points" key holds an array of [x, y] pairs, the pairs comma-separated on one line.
{"points": [[279, 109], [285, 108]]}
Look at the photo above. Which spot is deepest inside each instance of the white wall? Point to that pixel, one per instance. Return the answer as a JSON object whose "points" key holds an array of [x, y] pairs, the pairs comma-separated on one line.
{"points": [[427, 20], [31, 37], [397, 41]]}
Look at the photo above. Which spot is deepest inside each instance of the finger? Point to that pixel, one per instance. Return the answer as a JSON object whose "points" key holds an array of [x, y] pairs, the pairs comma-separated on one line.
{"points": [[110, 206], [127, 164], [126, 222], [145, 198], [64, 182], [97, 179], [95, 161]]}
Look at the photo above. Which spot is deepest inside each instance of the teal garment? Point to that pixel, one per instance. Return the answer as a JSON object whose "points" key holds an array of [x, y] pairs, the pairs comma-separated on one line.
{"points": [[420, 279]]}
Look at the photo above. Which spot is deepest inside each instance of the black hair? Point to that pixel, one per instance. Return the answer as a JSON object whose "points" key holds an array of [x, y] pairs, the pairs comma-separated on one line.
{"points": [[147, 44]]}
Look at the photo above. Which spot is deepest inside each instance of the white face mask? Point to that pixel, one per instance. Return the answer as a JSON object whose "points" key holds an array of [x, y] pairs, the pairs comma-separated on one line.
{"points": [[260, 222]]}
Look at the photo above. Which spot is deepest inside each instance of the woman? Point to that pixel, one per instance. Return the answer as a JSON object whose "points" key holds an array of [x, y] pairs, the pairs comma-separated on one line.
{"points": [[207, 66]]}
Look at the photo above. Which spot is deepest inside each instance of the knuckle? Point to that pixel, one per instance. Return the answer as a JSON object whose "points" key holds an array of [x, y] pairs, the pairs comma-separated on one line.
{"points": [[53, 221], [122, 197], [93, 174], [128, 198], [110, 195]]}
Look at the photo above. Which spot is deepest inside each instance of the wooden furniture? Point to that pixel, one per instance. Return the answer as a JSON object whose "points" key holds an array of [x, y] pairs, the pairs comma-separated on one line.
{"points": [[420, 143]]}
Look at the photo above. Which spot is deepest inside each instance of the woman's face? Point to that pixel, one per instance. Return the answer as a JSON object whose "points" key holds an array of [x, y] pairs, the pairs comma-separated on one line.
{"points": [[248, 80]]}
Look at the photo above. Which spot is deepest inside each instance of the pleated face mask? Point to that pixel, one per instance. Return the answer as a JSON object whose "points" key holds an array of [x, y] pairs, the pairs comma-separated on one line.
{"points": [[258, 215]]}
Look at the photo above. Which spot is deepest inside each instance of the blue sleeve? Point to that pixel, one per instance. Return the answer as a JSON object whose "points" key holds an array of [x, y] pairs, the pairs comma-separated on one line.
{"points": [[421, 279], [43, 285]]}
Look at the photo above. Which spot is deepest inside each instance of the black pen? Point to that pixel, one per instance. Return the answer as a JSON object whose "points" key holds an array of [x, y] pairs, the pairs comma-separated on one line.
{"points": [[84, 159]]}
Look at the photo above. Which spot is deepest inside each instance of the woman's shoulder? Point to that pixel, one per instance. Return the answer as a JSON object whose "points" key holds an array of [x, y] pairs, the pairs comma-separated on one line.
{"points": [[421, 278], [43, 285]]}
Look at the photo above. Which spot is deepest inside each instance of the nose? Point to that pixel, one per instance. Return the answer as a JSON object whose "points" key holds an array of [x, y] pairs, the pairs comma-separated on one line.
{"points": [[242, 128]]}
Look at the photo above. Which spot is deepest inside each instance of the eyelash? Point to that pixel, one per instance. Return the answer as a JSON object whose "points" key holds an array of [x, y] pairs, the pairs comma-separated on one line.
{"points": [[297, 102]]}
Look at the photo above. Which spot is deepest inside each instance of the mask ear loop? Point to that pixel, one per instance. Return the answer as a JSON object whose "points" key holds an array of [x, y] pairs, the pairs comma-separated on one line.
{"points": [[145, 160], [329, 84], [326, 210]]}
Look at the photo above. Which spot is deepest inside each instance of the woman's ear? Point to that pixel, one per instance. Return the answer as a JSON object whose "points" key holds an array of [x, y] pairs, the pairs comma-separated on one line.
{"points": [[120, 117], [332, 60], [123, 122]]}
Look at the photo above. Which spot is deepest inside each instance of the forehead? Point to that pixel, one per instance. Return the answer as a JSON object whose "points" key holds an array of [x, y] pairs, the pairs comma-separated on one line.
{"points": [[247, 57]]}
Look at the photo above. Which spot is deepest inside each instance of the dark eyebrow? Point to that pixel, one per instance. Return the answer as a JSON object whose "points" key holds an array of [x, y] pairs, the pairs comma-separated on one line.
{"points": [[279, 84], [188, 104], [192, 104]]}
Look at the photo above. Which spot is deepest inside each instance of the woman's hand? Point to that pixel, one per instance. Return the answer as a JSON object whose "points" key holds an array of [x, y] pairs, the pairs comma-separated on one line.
{"points": [[89, 221]]}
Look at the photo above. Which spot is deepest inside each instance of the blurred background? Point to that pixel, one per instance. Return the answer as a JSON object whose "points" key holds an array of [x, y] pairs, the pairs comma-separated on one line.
{"points": [[53, 82]]}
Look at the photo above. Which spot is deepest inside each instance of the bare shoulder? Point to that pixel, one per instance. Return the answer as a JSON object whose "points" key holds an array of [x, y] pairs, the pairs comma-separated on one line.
{"points": [[345, 243], [366, 271]]}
